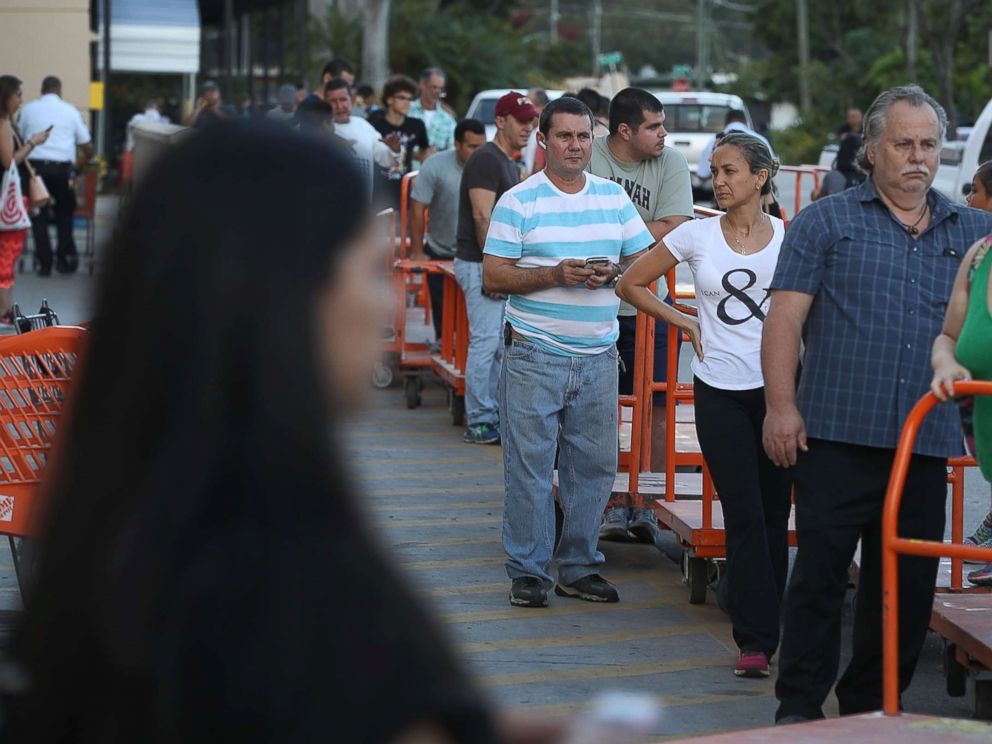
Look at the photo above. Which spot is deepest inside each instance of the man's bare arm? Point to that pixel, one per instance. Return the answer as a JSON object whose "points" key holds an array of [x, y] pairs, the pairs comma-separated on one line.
{"points": [[503, 276], [661, 228], [784, 429], [417, 224], [483, 201]]}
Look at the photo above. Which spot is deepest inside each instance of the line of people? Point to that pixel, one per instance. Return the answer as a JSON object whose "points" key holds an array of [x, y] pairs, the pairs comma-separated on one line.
{"points": [[856, 289]]}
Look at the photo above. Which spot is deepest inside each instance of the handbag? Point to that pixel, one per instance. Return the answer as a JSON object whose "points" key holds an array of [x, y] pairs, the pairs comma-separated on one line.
{"points": [[13, 213], [38, 195]]}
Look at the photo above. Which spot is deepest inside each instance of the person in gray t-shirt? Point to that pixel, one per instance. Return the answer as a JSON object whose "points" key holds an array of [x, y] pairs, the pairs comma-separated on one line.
{"points": [[436, 189], [656, 178]]}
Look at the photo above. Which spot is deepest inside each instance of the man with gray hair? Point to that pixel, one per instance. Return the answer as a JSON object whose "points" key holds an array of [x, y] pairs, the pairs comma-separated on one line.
{"points": [[428, 108], [863, 278]]}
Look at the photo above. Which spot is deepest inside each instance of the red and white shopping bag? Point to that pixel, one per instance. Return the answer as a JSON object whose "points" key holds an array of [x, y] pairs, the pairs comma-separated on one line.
{"points": [[13, 213]]}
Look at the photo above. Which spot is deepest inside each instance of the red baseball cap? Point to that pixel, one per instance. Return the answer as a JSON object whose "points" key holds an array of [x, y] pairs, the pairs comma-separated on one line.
{"points": [[516, 105]]}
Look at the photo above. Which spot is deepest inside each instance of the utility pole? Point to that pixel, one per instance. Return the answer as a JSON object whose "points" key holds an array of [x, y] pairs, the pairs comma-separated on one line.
{"points": [[702, 44], [597, 34], [912, 33], [802, 23], [553, 17], [103, 144]]}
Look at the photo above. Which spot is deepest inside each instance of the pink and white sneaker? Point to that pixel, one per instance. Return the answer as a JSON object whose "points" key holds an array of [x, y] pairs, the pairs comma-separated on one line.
{"points": [[752, 664]]}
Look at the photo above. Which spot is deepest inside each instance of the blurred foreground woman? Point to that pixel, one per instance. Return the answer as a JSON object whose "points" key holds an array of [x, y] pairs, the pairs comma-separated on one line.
{"points": [[204, 573]]}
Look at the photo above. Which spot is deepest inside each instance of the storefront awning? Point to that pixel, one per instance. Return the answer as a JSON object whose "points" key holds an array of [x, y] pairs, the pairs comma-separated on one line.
{"points": [[161, 36]]}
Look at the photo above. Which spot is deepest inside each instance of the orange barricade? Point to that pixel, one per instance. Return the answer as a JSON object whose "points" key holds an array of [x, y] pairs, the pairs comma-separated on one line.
{"points": [[893, 546], [801, 171]]}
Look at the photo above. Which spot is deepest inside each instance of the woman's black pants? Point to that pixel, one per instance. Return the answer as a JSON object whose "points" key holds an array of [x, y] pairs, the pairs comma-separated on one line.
{"points": [[754, 495]]}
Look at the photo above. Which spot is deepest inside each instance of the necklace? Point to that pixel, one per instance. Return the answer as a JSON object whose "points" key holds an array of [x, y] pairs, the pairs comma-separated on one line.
{"points": [[741, 247], [913, 229]]}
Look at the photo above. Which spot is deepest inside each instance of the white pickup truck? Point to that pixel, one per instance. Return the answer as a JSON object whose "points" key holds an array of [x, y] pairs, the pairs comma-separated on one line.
{"points": [[960, 158]]}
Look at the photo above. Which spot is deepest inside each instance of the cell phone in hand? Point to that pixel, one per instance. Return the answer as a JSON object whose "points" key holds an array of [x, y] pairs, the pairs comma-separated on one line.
{"points": [[598, 261]]}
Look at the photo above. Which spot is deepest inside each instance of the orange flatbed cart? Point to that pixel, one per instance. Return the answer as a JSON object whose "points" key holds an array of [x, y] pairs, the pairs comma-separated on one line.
{"points": [[890, 725], [449, 362]]}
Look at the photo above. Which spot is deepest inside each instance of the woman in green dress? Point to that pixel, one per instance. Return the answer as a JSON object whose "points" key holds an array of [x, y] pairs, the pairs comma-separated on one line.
{"points": [[963, 351]]}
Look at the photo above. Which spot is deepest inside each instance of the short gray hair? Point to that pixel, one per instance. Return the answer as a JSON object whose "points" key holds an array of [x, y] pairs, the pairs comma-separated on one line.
{"points": [[428, 72], [755, 152], [875, 119]]}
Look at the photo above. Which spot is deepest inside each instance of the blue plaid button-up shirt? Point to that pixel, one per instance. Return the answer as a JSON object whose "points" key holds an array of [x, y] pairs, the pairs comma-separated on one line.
{"points": [[879, 299]]}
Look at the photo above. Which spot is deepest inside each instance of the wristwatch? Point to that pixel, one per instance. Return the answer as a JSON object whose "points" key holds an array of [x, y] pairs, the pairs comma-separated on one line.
{"points": [[612, 284]]}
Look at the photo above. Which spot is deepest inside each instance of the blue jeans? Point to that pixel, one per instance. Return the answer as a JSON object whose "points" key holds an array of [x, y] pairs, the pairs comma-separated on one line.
{"points": [[485, 338], [572, 401]]}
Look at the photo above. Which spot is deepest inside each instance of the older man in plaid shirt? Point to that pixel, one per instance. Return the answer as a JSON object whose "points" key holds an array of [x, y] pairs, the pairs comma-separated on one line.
{"points": [[863, 278]]}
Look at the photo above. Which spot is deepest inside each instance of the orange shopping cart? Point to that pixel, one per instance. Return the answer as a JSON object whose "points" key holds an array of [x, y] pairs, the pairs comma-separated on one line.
{"points": [[890, 724], [36, 370]]}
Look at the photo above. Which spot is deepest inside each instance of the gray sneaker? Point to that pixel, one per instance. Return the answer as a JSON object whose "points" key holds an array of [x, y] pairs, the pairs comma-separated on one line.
{"points": [[481, 434], [643, 525], [614, 526]]}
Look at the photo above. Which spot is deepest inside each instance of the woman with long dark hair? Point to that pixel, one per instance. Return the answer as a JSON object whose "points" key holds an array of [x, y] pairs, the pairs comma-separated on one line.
{"points": [[12, 149], [204, 572]]}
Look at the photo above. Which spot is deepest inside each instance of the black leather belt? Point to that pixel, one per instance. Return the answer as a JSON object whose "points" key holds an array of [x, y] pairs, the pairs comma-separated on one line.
{"points": [[54, 163]]}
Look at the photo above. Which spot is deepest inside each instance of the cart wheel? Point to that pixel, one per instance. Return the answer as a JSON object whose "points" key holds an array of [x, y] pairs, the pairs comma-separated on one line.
{"points": [[955, 675], [382, 375], [411, 387], [456, 407], [695, 576], [983, 699]]}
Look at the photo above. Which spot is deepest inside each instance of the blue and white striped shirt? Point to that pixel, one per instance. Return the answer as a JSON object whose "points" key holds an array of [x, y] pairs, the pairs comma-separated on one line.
{"points": [[540, 226]]}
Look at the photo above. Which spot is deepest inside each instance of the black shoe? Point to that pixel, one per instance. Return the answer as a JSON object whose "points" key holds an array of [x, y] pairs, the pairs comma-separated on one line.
{"points": [[592, 588], [45, 270], [67, 265], [528, 591], [644, 525], [789, 720]]}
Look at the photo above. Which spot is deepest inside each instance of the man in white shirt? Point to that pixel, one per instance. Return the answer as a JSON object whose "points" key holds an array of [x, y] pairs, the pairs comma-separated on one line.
{"points": [[367, 145], [55, 161], [151, 114]]}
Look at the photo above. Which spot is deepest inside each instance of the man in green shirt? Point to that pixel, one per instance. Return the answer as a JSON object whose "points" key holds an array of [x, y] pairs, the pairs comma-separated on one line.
{"points": [[430, 109], [656, 178]]}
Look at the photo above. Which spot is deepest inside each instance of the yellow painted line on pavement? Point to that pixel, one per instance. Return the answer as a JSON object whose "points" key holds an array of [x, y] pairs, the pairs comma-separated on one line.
{"points": [[421, 446], [577, 607], [599, 671], [429, 542], [428, 458], [458, 563], [452, 490], [441, 522], [669, 701], [444, 432], [584, 639], [440, 472], [436, 505]]}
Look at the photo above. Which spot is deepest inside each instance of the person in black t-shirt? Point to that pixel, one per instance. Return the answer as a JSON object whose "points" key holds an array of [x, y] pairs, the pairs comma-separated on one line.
{"points": [[397, 96]]}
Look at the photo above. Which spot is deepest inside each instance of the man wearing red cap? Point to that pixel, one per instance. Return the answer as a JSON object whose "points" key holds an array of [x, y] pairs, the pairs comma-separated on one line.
{"points": [[487, 175]]}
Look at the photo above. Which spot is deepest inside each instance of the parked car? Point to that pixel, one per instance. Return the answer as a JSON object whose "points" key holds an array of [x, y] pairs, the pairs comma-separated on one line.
{"points": [[483, 106], [960, 159], [692, 118]]}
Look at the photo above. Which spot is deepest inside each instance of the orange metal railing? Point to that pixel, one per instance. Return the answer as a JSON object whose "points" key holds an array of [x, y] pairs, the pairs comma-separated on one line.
{"points": [[893, 546]]}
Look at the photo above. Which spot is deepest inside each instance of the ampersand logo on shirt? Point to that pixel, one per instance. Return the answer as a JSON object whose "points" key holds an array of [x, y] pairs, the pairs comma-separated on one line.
{"points": [[740, 294]]}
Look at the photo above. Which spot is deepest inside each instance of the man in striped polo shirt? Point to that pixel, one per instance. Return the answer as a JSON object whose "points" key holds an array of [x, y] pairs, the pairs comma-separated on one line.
{"points": [[555, 246]]}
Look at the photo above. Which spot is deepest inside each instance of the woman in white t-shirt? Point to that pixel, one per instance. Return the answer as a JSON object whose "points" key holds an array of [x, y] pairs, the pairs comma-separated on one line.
{"points": [[732, 258]]}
